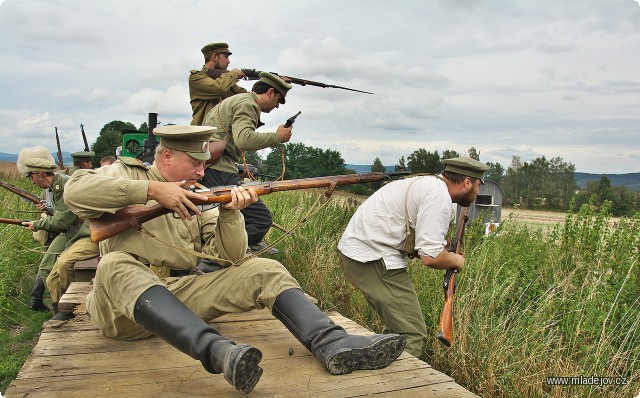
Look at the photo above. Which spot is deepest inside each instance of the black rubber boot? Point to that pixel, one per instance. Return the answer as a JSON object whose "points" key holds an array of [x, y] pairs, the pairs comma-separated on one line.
{"points": [[61, 316], [161, 313], [337, 350], [35, 302]]}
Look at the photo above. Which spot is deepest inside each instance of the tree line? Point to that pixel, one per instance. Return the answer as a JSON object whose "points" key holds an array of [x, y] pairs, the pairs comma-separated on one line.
{"points": [[542, 184]]}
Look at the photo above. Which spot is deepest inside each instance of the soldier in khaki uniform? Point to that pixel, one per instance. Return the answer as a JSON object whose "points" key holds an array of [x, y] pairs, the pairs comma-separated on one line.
{"points": [[206, 92], [144, 287], [83, 159], [236, 120], [38, 165]]}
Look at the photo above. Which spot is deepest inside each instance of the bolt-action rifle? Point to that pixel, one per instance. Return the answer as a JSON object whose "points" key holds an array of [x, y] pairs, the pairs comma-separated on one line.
{"points": [[253, 74], [84, 138], [111, 224], [28, 196], [60, 162], [445, 329]]}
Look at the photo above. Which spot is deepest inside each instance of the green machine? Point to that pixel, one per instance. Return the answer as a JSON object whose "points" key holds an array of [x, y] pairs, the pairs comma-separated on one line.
{"points": [[138, 144]]}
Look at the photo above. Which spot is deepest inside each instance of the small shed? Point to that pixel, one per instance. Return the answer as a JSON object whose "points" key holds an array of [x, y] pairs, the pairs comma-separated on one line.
{"points": [[488, 203]]}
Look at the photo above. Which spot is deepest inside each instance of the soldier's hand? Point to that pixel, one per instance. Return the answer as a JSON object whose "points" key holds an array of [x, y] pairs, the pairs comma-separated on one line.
{"points": [[284, 133], [172, 196], [29, 225], [239, 73], [241, 198], [41, 206]]}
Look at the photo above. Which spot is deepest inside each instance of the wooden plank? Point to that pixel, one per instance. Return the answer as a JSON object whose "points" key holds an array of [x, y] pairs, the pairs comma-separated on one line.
{"points": [[75, 360]]}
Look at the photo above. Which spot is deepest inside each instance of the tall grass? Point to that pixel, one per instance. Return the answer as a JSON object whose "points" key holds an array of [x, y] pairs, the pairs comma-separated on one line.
{"points": [[530, 304], [19, 260]]}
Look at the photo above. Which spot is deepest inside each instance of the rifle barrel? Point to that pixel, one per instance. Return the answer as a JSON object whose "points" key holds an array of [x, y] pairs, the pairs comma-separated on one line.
{"points": [[12, 221], [27, 195], [111, 224]]}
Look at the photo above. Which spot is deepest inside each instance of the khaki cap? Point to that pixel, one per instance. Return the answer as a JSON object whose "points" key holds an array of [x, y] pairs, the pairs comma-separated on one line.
{"points": [[37, 165], [83, 155], [277, 83], [192, 140], [215, 48], [466, 166], [45, 162]]}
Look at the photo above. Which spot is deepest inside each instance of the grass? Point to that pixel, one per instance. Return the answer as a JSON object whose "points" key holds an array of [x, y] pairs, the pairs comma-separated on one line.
{"points": [[530, 304]]}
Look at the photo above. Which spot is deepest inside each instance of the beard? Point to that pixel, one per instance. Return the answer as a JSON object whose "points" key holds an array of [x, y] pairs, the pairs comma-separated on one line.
{"points": [[467, 199]]}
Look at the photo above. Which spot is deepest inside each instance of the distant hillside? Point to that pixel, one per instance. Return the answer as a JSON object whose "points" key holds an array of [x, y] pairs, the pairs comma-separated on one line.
{"points": [[12, 157], [629, 180]]}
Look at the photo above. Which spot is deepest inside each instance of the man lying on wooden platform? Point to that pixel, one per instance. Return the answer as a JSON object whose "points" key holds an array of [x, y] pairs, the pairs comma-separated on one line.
{"points": [[143, 285]]}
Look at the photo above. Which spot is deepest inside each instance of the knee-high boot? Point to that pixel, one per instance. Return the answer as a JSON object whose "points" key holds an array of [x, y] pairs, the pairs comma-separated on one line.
{"points": [[337, 350], [37, 293], [161, 313]]}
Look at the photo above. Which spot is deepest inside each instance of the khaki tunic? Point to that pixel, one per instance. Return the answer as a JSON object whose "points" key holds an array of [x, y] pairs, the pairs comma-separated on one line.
{"points": [[124, 272], [236, 120], [205, 92], [63, 222]]}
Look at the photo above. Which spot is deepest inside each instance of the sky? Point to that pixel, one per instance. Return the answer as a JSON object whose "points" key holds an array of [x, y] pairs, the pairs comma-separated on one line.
{"points": [[526, 78]]}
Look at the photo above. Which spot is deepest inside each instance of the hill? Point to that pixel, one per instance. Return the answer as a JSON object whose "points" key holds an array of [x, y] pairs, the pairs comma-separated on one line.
{"points": [[12, 157], [629, 180]]}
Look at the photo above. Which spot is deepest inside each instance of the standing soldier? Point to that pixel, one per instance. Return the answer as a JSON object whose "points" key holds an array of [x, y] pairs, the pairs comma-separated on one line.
{"points": [[144, 286], [236, 120], [206, 92]]}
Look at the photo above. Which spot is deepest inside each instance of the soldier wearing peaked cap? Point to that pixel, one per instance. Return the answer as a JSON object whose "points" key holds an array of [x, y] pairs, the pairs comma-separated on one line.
{"points": [[373, 247], [236, 120], [206, 92], [144, 286], [72, 242], [82, 160]]}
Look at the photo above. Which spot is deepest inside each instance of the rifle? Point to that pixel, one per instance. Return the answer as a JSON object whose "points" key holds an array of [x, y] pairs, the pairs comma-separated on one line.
{"points": [[60, 162], [292, 119], [84, 138], [253, 74], [12, 221], [27, 195], [111, 224], [445, 329]]}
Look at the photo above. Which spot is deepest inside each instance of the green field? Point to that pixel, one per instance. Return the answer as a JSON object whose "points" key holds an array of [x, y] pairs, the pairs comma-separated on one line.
{"points": [[530, 305]]}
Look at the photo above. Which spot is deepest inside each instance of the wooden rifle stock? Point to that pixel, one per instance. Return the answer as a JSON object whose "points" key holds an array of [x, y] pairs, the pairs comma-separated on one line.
{"points": [[445, 328], [111, 224], [11, 221], [60, 162], [27, 195]]}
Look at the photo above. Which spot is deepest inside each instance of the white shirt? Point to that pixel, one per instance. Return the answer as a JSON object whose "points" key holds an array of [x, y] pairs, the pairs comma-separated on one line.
{"points": [[377, 229]]}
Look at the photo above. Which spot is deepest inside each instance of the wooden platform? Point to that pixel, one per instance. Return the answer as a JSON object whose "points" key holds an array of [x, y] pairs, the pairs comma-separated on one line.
{"points": [[73, 359]]}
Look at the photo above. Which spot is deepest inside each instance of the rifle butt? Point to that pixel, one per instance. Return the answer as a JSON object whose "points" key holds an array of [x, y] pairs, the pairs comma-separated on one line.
{"points": [[445, 328], [112, 224]]}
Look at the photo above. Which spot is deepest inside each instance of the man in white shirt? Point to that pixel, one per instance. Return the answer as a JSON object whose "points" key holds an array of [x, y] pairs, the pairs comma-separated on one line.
{"points": [[371, 247]]}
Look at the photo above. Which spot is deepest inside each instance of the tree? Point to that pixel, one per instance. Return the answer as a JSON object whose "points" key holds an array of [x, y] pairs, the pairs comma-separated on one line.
{"points": [[401, 166], [450, 154], [305, 161], [377, 166], [474, 153], [109, 139], [422, 161], [495, 173]]}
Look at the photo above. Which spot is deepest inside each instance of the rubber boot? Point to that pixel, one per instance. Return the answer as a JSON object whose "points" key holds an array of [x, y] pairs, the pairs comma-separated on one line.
{"points": [[161, 313], [61, 316], [338, 351], [37, 292]]}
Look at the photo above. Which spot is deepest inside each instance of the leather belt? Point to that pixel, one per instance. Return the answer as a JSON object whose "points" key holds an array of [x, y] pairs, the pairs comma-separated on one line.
{"points": [[179, 272]]}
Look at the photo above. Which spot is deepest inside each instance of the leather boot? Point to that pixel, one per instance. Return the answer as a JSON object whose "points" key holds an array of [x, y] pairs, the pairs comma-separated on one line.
{"points": [[337, 350], [61, 316], [161, 313], [35, 302]]}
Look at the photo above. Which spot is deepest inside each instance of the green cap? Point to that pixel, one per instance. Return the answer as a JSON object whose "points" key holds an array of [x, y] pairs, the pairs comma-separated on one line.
{"points": [[83, 155], [276, 82], [215, 48], [193, 140], [466, 166]]}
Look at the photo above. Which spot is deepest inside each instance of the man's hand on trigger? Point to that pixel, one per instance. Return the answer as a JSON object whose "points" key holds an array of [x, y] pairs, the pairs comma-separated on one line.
{"points": [[172, 196], [241, 198]]}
